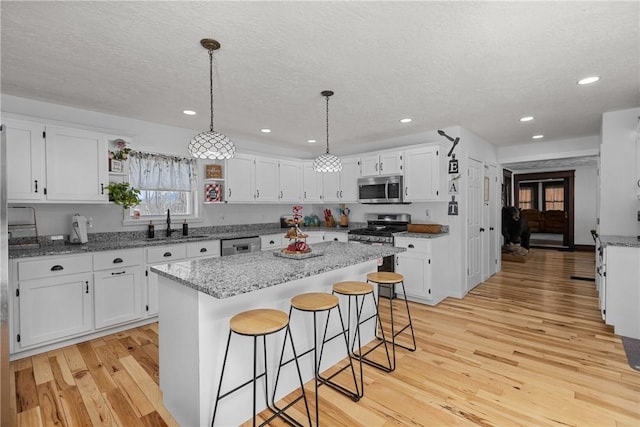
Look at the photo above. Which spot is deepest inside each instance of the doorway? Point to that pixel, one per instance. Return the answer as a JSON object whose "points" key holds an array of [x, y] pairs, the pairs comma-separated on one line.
{"points": [[547, 202]]}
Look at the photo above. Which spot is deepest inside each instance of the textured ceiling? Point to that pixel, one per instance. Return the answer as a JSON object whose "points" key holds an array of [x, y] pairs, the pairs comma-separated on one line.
{"points": [[480, 65]]}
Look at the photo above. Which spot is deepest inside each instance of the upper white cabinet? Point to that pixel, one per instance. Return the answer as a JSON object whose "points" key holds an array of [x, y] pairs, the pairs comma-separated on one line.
{"points": [[55, 163], [343, 186], [290, 181], [26, 168], [422, 174], [266, 179], [311, 184], [383, 163], [240, 178]]}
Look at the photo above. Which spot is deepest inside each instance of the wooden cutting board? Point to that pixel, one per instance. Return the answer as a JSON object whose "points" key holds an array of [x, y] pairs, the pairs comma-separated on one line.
{"points": [[424, 228]]}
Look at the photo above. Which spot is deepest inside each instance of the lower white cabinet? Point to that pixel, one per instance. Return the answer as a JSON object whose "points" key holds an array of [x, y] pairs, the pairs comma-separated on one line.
{"points": [[159, 255], [422, 266], [314, 237], [622, 292], [118, 287], [273, 241], [334, 236]]}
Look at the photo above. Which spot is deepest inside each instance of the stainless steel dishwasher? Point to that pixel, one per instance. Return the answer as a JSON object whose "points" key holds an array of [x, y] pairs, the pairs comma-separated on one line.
{"points": [[240, 245]]}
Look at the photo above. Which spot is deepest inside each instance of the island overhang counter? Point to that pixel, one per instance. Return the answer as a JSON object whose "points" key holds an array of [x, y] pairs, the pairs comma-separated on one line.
{"points": [[197, 299]]}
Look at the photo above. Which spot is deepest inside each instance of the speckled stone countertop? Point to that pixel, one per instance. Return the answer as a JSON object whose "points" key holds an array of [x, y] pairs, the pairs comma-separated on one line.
{"points": [[239, 274], [420, 235], [130, 240], [628, 241]]}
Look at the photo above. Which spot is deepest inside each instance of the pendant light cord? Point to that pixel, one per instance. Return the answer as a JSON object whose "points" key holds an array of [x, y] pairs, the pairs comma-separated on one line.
{"points": [[211, 87], [327, 124]]}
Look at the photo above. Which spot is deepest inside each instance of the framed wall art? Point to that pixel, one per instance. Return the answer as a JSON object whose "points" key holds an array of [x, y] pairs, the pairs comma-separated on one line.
{"points": [[213, 171], [213, 193]]}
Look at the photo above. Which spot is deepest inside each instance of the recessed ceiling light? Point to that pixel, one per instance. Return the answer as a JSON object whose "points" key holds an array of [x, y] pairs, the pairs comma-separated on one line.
{"points": [[526, 118], [265, 130], [311, 141], [188, 112], [588, 80], [537, 136], [407, 120]]}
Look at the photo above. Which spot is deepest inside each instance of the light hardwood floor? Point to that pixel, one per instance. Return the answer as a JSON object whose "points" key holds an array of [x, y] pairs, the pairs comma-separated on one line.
{"points": [[526, 347]]}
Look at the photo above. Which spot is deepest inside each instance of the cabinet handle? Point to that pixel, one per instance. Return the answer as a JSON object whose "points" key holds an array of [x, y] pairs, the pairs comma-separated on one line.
{"points": [[117, 261], [337, 194], [305, 194], [36, 182], [341, 194], [118, 273], [411, 246], [491, 228], [86, 289], [397, 261], [482, 229], [335, 239], [380, 166], [271, 242], [376, 167], [167, 254], [57, 267], [429, 261], [229, 192], [281, 194], [101, 188], [406, 191], [203, 249], [257, 194]]}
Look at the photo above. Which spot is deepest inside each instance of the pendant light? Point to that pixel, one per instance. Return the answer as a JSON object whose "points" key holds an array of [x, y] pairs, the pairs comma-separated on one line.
{"points": [[327, 162], [211, 144]]}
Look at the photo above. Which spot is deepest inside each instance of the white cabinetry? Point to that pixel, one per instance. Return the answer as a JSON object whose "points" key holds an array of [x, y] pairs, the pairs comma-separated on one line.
{"points": [[240, 178], [422, 174], [118, 286], [53, 299], [26, 168], [159, 255], [266, 179], [203, 249], [314, 237], [422, 266], [311, 184], [342, 186], [273, 241], [290, 181], [333, 236], [383, 163], [622, 292]]}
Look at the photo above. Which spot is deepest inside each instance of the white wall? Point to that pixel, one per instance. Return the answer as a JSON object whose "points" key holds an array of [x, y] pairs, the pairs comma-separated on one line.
{"points": [[618, 173], [556, 149]]}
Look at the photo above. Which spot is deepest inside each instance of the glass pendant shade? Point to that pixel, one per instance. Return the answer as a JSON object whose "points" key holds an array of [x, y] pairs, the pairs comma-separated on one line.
{"points": [[211, 145], [327, 163]]}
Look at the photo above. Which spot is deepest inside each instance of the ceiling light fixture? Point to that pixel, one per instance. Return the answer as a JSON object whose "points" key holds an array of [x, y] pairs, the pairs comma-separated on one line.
{"points": [[188, 112], [407, 120], [588, 80], [311, 141], [211, 144], [265, 130], [537, 136], [526, 119], [327, 162]]}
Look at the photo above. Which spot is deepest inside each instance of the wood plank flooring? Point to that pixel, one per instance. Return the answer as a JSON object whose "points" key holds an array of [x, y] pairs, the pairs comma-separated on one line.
{"points": [[526, 347]]}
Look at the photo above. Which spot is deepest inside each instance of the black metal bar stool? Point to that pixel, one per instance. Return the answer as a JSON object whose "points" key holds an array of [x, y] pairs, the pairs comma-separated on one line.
{"points": [[316, 302], [260, 323], [355, 289], [390, 280]]}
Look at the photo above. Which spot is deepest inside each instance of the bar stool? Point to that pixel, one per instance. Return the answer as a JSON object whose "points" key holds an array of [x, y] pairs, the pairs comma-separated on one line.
{"points": [[390, 280], [316, 302], [260, 323], [355, 289]]}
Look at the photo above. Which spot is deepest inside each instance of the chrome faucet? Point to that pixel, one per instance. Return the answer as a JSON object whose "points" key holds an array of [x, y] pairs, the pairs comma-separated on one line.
{"points": [[168, 224]]}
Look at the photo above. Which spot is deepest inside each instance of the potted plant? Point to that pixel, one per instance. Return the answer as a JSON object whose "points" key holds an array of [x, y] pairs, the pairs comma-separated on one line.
{"points": [[122, 194]]}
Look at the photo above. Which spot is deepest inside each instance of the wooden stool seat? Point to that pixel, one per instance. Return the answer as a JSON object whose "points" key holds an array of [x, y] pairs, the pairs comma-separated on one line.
{"points": [[314, 301], [385, 277], [352, 288], [262, 321]]}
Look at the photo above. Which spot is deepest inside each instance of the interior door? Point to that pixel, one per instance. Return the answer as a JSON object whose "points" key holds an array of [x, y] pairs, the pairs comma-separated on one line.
{"points": [[475, 174], [495, 234]]}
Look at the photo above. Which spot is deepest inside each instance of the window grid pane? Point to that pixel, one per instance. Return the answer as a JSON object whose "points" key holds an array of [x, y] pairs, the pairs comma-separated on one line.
{"points": [[525, 198], [156, 202], [554, 198]]}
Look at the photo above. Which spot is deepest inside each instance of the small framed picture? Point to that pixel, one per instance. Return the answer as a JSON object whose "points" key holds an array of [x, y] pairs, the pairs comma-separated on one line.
{"points": [[212, 193], [213, 171], [115, 165]]}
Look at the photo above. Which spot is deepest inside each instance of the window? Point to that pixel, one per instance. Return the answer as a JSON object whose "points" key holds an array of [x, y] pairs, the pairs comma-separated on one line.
{"points": [[165, 183], [553, 196], [527, 195]]}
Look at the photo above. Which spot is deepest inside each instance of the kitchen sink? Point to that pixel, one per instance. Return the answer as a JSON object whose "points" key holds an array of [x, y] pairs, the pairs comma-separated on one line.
{"points": [[177, 237]]}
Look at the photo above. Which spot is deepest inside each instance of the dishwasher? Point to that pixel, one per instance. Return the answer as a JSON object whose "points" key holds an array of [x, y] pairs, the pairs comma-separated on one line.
{"points": [[240, 245]]}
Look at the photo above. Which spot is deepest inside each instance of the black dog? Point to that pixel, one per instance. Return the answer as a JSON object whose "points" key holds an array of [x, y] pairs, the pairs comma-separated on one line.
{"points": [[514, 227]]}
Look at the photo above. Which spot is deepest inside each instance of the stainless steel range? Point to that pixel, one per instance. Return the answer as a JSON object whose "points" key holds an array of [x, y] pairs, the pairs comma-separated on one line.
{"points": [[379, 231]]}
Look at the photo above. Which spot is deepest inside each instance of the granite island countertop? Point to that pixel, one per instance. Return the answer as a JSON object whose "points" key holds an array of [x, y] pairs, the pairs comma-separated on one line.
{"points": [[627, 241], [239, 274]]}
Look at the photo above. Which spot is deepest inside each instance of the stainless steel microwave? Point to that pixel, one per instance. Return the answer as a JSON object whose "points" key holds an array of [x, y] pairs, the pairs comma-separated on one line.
{"points": [[381, 190]]}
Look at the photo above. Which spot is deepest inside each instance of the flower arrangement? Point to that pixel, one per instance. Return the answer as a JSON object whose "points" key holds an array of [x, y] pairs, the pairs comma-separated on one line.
{"points": [[121, 152]]}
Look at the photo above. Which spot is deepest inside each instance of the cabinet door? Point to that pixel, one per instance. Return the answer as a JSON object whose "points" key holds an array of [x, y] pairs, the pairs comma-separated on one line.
{"points": [[412, 266], [272, 241], [330, 187], [391, 163], [370, 165], [77, 165], [266, 179], [421, 174], [159, 255], [53, 309], [311, 184], [117, 296], [240, 178], [25, 165], [349, 180], [314, 237], [290, 181], [335, 237]]}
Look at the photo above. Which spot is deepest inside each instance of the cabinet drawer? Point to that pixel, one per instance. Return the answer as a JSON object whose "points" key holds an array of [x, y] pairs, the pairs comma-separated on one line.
{"points": [[209, 248], [54, 267], [271, 241], [412, 244], [117, 259], [161, 254]]}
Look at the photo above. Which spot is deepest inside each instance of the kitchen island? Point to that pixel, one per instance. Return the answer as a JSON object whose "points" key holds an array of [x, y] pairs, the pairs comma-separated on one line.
{"points": [[197, 299]]}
